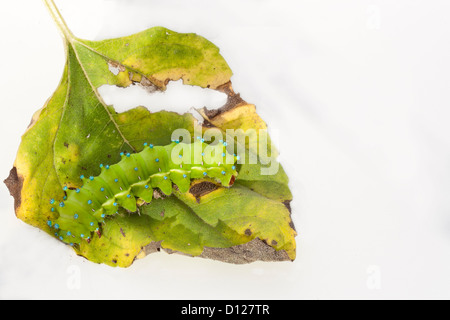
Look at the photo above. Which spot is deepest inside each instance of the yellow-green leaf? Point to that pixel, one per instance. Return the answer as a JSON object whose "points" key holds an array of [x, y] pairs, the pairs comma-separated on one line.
{"points": [[76, 131]]}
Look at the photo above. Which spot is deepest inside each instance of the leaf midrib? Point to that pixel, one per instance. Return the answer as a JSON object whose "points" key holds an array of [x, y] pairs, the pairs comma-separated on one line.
{"points": [[95, 91], [69, 41]]}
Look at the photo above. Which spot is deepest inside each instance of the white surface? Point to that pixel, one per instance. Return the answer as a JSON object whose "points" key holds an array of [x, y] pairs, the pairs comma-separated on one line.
{"points": [[359, 92]]}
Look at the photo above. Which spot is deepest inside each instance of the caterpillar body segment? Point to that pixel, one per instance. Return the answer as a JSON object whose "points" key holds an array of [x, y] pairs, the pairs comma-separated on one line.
{"points": [[136, 176]]}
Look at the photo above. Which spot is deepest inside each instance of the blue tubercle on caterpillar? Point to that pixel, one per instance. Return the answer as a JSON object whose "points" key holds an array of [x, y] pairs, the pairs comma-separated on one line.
{"points": [[84, 209]]}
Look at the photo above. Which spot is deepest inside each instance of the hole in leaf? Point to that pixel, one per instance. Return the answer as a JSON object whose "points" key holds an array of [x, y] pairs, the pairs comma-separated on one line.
{"points": [[178, 97]]}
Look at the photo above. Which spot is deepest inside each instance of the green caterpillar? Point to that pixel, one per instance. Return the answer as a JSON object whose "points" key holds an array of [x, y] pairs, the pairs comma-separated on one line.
{"points": [[136, 176]]}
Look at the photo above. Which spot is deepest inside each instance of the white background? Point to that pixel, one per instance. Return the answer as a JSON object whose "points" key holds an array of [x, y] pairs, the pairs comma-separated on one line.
{"points": [[358, 91]]}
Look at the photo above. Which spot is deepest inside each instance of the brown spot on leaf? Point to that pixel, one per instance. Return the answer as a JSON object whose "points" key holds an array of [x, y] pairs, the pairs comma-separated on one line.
{"points": [[203, 188], [158, 194], [232, 180], [122, 232], [14, 184], [152, 247], [248, 232], [287, 204], [148, 85], [255, 250], [207, 124], [115, 67], [233, 100], [166, 82]]}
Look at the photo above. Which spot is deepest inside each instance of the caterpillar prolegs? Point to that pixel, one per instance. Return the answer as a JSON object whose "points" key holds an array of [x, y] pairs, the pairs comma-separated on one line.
{"points": [[136, 176]]}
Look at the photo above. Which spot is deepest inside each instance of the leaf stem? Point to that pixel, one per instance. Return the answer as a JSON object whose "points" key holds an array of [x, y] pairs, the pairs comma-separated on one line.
{"points": [[56, 15]]}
